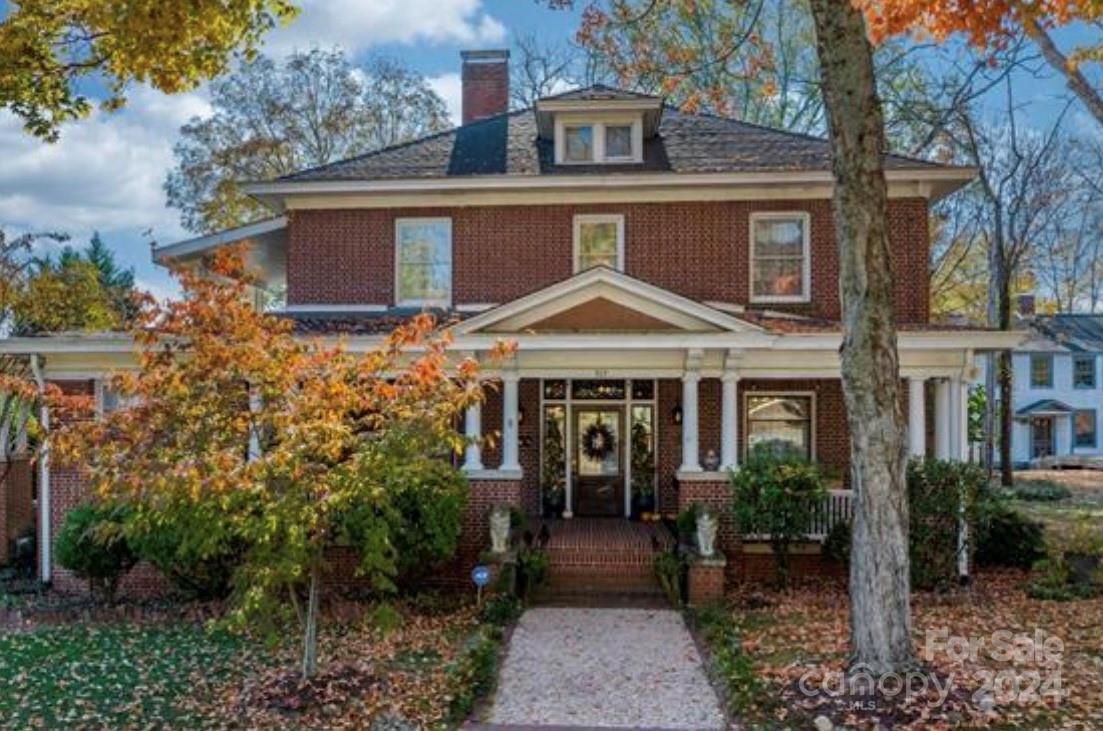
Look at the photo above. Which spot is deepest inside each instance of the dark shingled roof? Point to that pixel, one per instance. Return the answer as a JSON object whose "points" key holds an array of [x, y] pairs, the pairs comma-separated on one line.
{"points": [[508, 145], [1076, 332]]}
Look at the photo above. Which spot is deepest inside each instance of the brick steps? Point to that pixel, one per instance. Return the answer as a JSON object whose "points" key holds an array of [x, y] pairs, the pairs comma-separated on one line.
{"points": [[610, 558]]}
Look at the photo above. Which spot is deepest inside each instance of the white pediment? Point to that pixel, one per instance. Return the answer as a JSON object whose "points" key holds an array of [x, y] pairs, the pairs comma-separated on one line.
{"points": [[603, 300]]}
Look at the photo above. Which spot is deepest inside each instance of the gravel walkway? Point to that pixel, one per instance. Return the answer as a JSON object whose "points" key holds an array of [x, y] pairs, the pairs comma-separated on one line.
{"points": [[632, 668]]}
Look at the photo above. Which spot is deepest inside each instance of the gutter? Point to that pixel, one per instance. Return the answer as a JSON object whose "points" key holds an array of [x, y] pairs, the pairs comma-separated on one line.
{"points": [[45, 540]]}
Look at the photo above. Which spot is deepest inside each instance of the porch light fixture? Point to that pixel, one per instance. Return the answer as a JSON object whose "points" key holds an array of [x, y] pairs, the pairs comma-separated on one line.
{"points": [[676, 414], [520, 415]]}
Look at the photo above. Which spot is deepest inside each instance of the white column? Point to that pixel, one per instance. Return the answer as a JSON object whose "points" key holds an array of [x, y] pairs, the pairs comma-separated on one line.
{"points": [[691, 456], [956, 418], [917, 418], [962, 416], [473, 433], [45, 540], [510, 460], [942, 419], [729, 427]]}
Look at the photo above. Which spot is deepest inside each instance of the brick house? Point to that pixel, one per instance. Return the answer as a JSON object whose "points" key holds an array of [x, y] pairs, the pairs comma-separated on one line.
{"points": [[671, 280]]}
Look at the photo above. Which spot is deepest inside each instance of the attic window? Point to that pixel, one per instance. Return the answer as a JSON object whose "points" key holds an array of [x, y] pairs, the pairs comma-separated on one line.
{"points": [[594, 140]]}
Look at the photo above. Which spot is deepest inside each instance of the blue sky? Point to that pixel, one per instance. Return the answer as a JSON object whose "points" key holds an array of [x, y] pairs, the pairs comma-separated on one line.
{"points": [[106, 172]]}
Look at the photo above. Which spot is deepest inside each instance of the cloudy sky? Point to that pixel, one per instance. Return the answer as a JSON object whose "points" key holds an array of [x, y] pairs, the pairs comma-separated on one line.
{"points": [[106, 172]]}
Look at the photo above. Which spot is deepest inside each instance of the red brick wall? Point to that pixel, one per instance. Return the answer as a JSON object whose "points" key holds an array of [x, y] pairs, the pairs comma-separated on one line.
{"points": [[499, 253]]}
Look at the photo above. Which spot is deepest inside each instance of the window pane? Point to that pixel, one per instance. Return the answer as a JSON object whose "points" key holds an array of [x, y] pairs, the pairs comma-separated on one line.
{"points": [[553, 472], [1085, 428], [642, 455], [782, 237], [1083, 372], [578, 144], [780, 424], [618, 141], [424, 261], [597, 244], [556, 389], [779, 277], [1041, 371], [586, 389], [643, 390], [778, 407]]}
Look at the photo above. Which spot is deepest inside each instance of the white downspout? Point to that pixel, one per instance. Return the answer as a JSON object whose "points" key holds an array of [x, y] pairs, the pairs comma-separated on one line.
{"points": [[45, 540]]}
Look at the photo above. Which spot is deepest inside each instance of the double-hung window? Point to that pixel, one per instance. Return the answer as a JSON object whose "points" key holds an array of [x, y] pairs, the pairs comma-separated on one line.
{"points": [[582, 140], [1041, 370], [598, 241], [779, 423], [780, 256], [1084, 428], [1083, 371], [423, 262]]}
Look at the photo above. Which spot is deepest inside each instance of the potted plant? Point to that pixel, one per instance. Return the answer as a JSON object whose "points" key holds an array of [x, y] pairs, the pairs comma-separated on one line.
{"points": [[643, 471]]}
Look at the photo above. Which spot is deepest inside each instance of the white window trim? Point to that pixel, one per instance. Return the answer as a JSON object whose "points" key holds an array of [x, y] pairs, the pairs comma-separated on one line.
{"points": [[745, 421], [581, 218], [398, 223], [806, 269], [598, 124]]}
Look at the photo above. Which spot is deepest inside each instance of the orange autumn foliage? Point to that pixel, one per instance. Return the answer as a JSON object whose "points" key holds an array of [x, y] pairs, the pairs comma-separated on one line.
{"points": [[987, 23]]}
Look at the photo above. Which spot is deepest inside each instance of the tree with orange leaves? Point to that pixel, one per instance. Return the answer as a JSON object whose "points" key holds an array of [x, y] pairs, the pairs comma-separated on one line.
{"points": [[992, 24], [284, 447]]}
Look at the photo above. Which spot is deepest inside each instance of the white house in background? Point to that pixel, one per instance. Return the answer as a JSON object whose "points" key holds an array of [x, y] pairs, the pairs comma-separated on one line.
{"points": [[1058, 392]]}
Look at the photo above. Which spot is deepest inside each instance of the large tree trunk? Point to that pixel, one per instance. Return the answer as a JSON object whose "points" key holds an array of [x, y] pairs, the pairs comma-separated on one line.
{"points": [[880, 615], [999, 316]]}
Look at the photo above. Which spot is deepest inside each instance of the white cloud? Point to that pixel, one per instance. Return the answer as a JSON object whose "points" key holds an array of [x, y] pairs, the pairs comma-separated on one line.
{"points": [[105, 172], [450, 88], [359, 24]]}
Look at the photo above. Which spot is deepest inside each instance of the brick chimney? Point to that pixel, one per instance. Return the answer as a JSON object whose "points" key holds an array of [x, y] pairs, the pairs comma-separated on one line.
{"points": [[485, 84], [1026, 305]]}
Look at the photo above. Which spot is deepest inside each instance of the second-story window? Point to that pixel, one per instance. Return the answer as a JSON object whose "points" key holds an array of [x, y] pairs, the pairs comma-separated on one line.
{"points": [[1041, 370], [1083, 371], [780, 257], [423, 262], [598, 241]]}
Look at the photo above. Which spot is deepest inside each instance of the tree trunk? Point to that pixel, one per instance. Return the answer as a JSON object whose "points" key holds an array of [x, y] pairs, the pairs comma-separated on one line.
{"points": [[310, 630], [1001, 281], [880, 615]]}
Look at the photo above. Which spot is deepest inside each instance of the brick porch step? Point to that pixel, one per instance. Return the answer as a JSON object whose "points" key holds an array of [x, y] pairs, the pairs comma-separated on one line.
{"points": [[603, 557]]}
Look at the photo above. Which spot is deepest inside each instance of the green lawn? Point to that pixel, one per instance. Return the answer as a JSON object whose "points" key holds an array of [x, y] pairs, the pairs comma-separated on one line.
{"points": [[1085, 501], [116, 675]]}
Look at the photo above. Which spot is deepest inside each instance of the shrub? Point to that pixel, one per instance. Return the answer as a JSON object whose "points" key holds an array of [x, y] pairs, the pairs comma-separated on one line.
{"points": [[777, 494], [532, 569], [92, 544], [670, 569], [473, 672], [501, 610], [836, 546], [1054, 582], [1004, 537], [191, 549], [1040, 491], [940, 494], [385, 618], [744, 690], [687, 524]]}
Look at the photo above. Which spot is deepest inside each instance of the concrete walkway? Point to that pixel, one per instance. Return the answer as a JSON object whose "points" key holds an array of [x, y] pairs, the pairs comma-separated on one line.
{"points": [[609, 668]]}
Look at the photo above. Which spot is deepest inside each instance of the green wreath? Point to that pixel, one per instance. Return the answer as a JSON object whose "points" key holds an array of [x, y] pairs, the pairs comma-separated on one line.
{"points": [[598, 441]]}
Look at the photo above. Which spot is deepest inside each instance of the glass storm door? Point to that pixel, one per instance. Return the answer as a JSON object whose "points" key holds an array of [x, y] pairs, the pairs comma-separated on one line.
{"points": [[597, 460]]}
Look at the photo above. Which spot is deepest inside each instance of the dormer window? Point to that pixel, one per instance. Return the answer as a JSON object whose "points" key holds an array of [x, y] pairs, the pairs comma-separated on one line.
{"points": [[597, 140], [578, 143]]}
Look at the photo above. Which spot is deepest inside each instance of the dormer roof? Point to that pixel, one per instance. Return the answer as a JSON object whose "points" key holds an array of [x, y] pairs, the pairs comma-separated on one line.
{"points": [[598, 99]]}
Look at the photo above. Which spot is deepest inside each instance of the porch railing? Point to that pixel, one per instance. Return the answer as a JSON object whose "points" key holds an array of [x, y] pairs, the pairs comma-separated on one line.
{"points": [[837, 507]]}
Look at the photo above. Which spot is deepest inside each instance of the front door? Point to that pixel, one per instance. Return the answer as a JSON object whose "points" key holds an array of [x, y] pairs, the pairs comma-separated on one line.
{"points": [[597, 460], [1041, 437]]}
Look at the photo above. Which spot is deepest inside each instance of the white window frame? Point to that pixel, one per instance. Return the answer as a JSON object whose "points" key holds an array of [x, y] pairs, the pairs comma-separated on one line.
{"points": [[416, 221], [745, 411], [598, 122], [582, 218], [806, 269]]}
